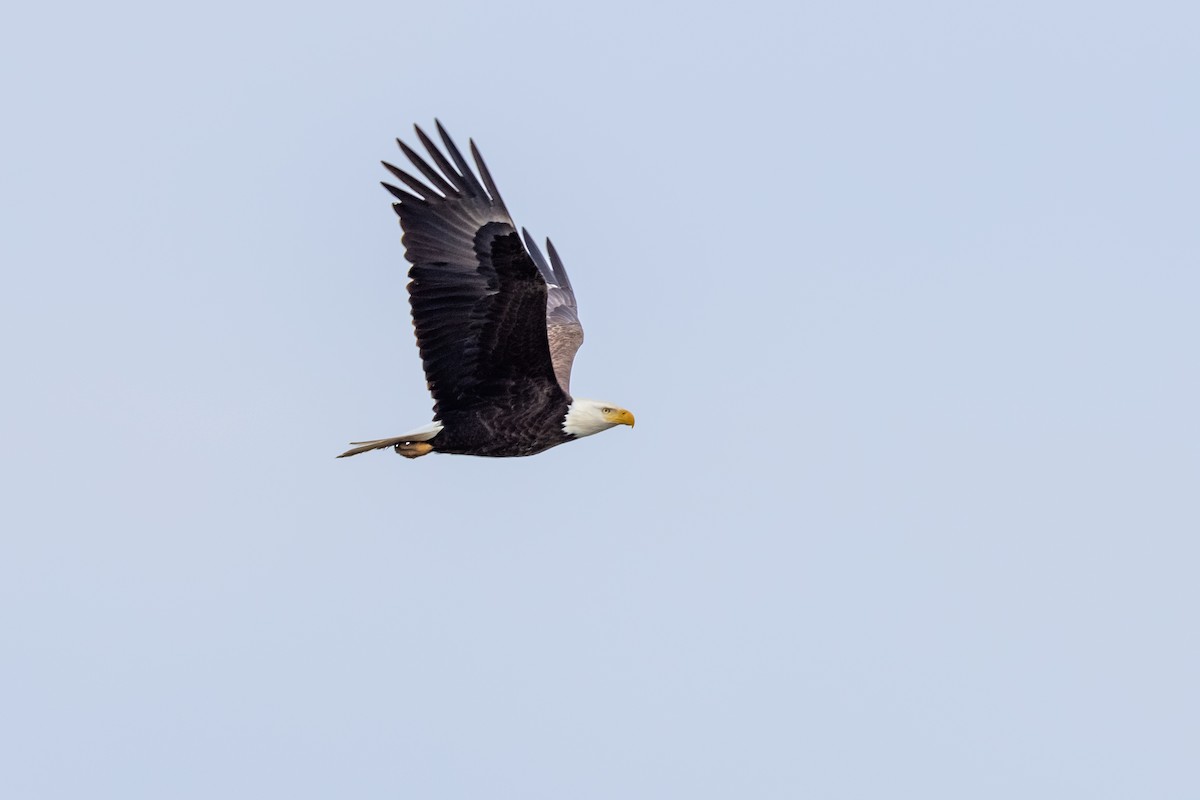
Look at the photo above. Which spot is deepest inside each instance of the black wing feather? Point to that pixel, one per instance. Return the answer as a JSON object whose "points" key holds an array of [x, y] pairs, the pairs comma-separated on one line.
{"points": [[460, 185], [542, 264], [400, 194], [467, 175], [487, 177], [478, 299], [408, 180], [560, 270], [429, 172]]}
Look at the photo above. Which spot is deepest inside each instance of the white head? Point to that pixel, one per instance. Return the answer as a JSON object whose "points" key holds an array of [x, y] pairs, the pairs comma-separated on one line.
{"points": [[586, 417]]}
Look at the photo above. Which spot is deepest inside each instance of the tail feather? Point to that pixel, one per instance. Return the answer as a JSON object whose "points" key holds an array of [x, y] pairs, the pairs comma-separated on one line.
{"points": [[377, 444], [420, 435]]}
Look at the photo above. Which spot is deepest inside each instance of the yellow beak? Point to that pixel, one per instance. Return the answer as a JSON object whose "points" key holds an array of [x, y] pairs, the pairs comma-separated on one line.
{"points": [[621, 417]]}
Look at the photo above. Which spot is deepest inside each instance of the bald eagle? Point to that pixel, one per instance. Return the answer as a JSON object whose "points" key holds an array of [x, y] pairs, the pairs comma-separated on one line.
{"points": [[497, 325]]}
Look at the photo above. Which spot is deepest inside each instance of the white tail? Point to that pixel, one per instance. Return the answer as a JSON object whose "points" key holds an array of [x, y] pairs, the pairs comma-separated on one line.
{"points": [[419, 435]]}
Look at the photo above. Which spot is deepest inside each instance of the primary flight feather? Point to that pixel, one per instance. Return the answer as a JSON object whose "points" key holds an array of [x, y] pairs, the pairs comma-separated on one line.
{"points": [[496, 322]]}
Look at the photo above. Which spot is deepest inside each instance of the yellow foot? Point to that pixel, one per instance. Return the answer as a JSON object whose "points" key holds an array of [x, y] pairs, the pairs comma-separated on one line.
{"points": [[414, 449]]}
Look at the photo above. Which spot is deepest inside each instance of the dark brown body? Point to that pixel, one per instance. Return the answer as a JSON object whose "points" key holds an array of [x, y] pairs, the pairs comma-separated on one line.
{"points": [[497, 432]]}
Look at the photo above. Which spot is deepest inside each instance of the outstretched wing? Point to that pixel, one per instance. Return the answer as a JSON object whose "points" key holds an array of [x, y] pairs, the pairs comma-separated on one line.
{"points": [[478, 300], [563, 329]]}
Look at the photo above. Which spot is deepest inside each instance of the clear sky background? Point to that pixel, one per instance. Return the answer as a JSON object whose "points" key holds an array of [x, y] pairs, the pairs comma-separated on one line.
{"points": [[904, 297]]}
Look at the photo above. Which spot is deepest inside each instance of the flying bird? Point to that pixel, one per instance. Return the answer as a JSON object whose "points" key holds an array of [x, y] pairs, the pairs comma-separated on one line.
{"points": [[496, 323]]}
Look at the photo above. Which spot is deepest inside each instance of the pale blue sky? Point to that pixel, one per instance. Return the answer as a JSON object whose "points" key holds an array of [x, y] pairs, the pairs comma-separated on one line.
{"points": [[904, 299]]}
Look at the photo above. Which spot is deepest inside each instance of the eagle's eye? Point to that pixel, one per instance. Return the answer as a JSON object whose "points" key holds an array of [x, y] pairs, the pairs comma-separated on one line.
{"points": [[606, 410]]}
